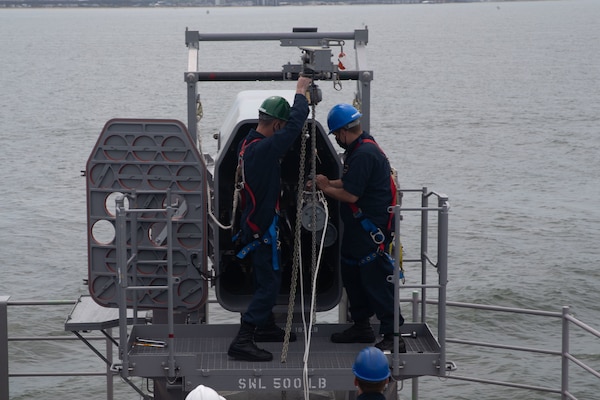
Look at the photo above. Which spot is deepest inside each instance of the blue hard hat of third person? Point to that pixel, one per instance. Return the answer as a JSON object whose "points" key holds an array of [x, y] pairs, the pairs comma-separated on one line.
{"points": [[371, 365], [341, 115]]}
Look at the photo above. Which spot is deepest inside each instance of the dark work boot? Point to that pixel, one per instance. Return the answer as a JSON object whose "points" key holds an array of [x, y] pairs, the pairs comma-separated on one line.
{"points": [[244, 348], [270, 332], [387, 343], [360, 332]]}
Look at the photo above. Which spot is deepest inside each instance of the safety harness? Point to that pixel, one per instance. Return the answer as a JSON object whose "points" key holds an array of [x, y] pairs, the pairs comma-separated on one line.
{"points": [[373, 230], [270, 237]]}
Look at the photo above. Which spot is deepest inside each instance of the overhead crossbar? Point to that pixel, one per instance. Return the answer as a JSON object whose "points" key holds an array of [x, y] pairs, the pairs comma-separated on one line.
{"points": [[358, 35], [259, 76]]}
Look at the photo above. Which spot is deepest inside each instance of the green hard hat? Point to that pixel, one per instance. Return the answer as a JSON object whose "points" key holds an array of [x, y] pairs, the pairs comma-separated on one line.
{"points": [[276, 107]]}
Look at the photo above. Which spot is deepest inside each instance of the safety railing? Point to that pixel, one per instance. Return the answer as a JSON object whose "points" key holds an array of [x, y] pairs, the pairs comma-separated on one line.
{"points": [[564, 355], [567, 321], [419, 302], [5, 373], [441, 212], [125, 216]]}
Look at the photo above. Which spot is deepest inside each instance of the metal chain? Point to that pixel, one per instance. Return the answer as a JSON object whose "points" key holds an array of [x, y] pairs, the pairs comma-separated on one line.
{"points": [[297, 245]]}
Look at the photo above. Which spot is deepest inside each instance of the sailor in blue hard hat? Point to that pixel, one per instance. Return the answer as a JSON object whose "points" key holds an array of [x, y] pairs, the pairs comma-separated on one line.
{"points": [[366, 191], [371, 374]]}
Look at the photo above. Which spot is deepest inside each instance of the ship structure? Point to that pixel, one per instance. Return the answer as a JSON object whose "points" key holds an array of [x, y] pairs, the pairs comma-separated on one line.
{"points": [[162, 216]]}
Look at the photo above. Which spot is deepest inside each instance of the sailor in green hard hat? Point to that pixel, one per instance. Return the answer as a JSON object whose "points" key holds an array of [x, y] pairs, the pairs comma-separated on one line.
{"points": [[274, 107], [371, 374], [259, 154]]}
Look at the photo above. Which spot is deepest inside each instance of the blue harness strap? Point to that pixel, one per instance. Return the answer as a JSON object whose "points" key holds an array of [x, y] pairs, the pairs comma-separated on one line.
{"points": [[270, 237], [370, 258], [376, 233]]}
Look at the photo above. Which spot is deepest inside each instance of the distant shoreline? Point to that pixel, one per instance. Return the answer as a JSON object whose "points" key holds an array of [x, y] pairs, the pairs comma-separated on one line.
{"points": [[18, 4]]}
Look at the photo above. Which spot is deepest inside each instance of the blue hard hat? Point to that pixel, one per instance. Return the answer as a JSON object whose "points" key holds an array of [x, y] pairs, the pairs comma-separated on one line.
{"points": [[371, 365], [341, 115]]}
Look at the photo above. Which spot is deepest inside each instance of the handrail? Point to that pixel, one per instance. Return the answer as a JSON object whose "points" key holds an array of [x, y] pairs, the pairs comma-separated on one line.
{"points": [[441, 210], [418, 312], [441, 265], [567, 320], [5, 374], [565, 317], [122, 213]]}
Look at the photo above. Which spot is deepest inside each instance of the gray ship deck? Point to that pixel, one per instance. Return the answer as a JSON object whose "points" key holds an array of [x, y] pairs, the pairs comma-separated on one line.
{"points": [[200, 354]]}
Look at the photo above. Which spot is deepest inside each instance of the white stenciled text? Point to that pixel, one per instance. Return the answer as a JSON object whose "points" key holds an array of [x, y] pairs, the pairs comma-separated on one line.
{"points": [[280, 383]]}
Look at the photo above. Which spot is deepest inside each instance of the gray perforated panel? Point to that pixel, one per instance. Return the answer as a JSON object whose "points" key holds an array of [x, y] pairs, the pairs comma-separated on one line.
{"points": [[144, 160]]}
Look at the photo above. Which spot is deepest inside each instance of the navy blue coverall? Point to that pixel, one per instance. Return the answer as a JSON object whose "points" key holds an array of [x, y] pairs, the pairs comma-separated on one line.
{"points": [[371, 396], [367, 175], [262, 186]]}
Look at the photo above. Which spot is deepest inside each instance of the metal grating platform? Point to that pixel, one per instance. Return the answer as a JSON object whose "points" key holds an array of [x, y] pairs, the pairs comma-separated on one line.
{"points": [[87, 315], [200, 353]]}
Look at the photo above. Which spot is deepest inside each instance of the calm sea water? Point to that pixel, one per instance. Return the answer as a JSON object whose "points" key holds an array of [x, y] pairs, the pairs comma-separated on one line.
{"points": [[494, 104]]}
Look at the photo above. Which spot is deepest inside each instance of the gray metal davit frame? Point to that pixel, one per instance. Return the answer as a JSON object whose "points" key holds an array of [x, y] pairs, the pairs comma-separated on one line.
{"points": [[307, 38], [153, 158]]}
